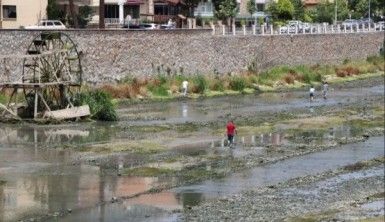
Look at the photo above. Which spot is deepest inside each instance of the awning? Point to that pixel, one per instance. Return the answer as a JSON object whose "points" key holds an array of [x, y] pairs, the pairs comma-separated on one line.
{"points": [[134, 2], [174, 2]]}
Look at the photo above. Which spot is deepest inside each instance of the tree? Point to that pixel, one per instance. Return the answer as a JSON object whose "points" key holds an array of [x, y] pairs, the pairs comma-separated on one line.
{"points": [[85, 13], [101, 14], [251, 7], [53, 11], [324, 11], [282, 10], [299, 9], [227, 10]]}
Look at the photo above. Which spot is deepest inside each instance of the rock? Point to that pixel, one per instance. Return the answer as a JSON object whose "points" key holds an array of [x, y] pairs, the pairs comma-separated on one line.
{"points": [[69, 210]]}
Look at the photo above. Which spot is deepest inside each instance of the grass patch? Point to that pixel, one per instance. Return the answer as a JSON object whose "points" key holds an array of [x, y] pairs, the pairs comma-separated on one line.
{"points": [[138, 147], [148, 172], [3, 98]]}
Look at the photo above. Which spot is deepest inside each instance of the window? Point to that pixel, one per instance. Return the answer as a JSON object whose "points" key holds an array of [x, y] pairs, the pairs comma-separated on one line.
{"points": [[260, 7], [57, 23], [111, 11], [9, 11]]}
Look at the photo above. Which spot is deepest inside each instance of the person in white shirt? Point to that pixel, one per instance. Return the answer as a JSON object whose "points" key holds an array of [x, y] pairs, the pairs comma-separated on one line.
{"points": [[184, 87], [311, 92]]}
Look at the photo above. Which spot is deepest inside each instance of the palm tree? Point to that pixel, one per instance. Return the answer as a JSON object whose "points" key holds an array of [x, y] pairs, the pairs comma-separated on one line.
{"points": [[101, 14]]}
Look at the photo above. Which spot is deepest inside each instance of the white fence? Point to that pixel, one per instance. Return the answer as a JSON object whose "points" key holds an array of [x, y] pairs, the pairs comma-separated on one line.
{"points": [[295, 30]]}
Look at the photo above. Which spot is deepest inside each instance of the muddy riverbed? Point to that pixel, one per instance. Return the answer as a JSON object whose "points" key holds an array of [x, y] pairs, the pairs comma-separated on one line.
{"points": [[169, 161]]}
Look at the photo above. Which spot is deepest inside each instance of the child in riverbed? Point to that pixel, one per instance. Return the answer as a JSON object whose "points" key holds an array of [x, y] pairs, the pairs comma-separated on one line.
{"points": [[325, 89], [311, 93]]}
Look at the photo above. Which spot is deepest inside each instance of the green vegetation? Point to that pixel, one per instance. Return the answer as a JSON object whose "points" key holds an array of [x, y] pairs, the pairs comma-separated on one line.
{"points": [[165, 86], [3, 98], [2, 182], [100, 103], [148, 171]]}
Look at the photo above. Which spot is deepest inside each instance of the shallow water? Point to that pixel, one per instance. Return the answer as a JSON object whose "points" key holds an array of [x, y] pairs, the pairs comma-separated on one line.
{"points": [[187, 196]]}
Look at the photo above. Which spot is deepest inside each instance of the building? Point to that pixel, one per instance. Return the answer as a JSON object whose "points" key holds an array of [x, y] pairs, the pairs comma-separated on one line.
{"points": [[206, 9], [17, 13], [121, 11]]}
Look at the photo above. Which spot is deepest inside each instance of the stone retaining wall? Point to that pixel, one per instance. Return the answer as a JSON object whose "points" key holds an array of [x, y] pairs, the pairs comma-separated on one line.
{"points": [[111, 55]]}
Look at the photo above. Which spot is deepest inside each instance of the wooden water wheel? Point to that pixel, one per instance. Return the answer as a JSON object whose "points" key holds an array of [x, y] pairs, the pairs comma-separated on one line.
{"points": [[52, 75]]}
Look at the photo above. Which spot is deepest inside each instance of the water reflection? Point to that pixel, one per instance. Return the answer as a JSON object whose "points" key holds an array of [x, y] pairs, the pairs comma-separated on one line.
{"points": [[184, 110], [60, 188], [54, 135]]}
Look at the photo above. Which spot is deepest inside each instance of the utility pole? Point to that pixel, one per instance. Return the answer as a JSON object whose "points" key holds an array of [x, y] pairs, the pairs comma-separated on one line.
{"points": [[369, 12]]}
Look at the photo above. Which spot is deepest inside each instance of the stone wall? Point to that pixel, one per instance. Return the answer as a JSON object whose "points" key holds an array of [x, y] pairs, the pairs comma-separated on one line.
{"points": [[111, 55]]}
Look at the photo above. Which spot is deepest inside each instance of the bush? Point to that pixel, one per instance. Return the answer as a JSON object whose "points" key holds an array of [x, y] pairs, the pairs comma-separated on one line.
{"points": [[200, 83], [375, 60], [100, 103], [159, 90], [238, 84], [3, 98], [218, 85]]}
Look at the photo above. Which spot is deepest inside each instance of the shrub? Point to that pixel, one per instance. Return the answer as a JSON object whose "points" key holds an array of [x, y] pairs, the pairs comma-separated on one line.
{"points": [[375, 60], [341, 73], [159, 90], [200, 84], [238, 83], [3, 98], [100, 103], [289, 78], [347, 71], [217, 85]]}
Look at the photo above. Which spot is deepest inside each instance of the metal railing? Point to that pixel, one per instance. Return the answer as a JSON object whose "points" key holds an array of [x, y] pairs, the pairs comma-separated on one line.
{"points": [[297, 30]]}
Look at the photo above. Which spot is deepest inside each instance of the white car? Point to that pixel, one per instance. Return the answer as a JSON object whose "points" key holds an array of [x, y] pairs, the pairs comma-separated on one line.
{"points": [[48, 25]]}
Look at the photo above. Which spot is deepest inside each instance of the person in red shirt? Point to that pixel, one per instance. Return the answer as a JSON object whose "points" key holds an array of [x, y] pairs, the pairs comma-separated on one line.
{"points": [[231, 131]]}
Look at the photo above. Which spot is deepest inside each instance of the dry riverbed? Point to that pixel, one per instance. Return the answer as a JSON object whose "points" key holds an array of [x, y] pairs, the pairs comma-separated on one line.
{"points": [[157, 148], [354, 192]]}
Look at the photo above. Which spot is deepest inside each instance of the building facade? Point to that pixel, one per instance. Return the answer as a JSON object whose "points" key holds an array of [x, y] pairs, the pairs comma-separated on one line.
{"points": [[18, 13], [206, 9], [122, 11]]}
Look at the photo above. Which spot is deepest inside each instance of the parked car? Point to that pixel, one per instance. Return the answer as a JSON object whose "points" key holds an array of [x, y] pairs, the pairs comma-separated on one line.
{"points": [[149, 26], [47, 25], [142, 26]]}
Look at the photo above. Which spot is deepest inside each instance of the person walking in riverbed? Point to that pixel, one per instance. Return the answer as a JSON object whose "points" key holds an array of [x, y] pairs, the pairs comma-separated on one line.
{"points": [[230, 131], [311, 93], [184, 87], [325, 89]]}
